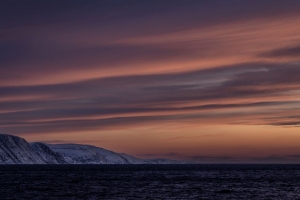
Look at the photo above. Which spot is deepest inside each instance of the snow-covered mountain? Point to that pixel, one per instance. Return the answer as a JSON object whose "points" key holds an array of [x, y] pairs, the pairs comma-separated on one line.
{"points": [[16, 150]]}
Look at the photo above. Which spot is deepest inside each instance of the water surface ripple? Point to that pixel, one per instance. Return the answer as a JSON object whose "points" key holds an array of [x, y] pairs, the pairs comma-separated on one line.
{"points": [[149, 182]]}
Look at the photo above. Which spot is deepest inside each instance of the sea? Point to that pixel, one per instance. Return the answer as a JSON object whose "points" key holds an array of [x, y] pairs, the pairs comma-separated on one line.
{"points": [[150, 181]]}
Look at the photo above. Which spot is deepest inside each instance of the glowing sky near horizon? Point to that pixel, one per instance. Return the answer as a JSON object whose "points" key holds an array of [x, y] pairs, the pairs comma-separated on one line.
{"points": [[207, 81]]}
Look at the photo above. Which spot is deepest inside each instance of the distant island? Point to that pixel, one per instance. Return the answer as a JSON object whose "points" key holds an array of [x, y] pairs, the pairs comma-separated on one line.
{"points": [[16, 150]]}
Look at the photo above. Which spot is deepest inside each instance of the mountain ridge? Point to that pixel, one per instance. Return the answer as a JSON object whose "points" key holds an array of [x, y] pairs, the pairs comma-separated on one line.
{"points": [[16, 150]]}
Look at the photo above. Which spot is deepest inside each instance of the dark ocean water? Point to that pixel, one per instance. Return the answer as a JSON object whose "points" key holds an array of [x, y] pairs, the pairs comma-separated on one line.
{"points": [[149, 182]]}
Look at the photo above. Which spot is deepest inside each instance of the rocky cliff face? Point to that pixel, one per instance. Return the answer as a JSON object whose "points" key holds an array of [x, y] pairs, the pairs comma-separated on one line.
{"points": [[16, 150]]}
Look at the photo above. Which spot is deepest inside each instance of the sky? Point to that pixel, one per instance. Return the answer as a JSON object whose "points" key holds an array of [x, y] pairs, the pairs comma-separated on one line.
{"points": [[208, 81]]}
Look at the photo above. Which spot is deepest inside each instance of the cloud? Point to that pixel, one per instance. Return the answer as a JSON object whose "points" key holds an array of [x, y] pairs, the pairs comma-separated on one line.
{"points": [[293, 52], [219, 95], [39, 13], [289, 123], [106, 65], [293, 155], [42, 43]]}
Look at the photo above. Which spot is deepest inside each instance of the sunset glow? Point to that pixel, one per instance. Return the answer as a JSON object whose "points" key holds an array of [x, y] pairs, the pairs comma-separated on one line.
{"points": [[203, 81]]}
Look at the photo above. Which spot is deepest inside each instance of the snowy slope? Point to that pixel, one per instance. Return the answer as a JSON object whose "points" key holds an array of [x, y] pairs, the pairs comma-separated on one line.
{"points": [[87, 154], [15, 150], [46, 154], [134, 160], [112, 157], [77, 154], [165, 161]]}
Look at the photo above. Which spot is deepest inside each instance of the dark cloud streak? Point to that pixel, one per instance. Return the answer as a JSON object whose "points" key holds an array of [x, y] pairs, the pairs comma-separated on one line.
{"points": [[284, 52]]}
